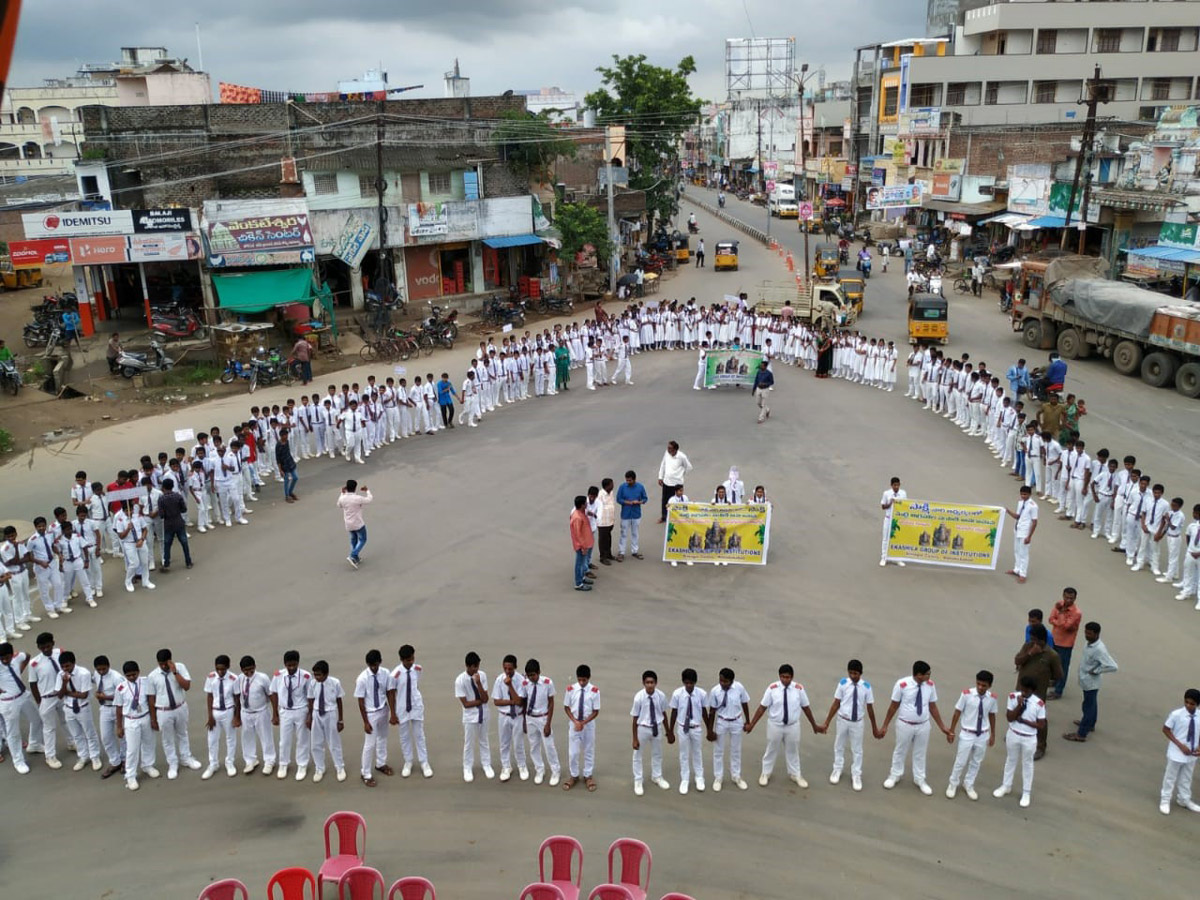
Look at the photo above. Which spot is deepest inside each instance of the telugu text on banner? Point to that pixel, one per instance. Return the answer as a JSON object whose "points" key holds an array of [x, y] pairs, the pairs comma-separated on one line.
{"points": [[946, 534], [717, 532], [731, 367]]}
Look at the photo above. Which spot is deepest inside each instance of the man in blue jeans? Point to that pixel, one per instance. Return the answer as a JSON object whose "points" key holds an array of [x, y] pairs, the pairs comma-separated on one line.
{"points": [[287, 465], [351, 503], [631, 497], [1095, 662], [581, 542]]}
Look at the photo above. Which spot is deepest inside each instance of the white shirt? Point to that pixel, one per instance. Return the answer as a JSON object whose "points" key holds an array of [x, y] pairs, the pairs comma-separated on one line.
{"points": [[1193, 539], [845, 692], [12, 685], [1035, 710], [407, 683], [81, 681], [466, 689], [256, 691], [11, 553], [500, 692], [1027, 513], [728, 703], [969, 705], [101, 684], [156, 684], [684, 703], [905, 693], [643, 703], [1155, 512], [889, 497], [71, 548], [223, 688], [591, 699], [44, 672], [777, 697], [297, 681], [131, 698], [1179, 721], [537, 696], [372, 687], [1174, 523], [325, 694], [673, 469], [1082, 463], [42, 547]]}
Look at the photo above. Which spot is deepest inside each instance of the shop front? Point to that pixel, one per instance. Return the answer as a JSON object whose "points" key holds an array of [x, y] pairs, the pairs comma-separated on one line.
{"points": [[349, 258]]}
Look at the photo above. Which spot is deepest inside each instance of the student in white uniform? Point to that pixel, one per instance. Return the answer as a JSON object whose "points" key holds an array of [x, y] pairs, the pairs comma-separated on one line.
{"points": [[166, 689], [1104, 487], [1137, 499], [354, 432], [289, 710], [221, 709], [470, 401], [506, 694], [688, 705], [1026, 521], [326, 720], [782, 702], [376, 695], [889, 498], [74, 559], [104, 688], [582, 705], [133, 725], [853, 699], [229, 486], [649, 714], [537, 691], [1191, 559], [13, 554], [89, 534], [45, 568], [254, 711], [728, 712], [624, 362], [915, 700], [76, 692], [1182, 731], [410, 712], [1116, 527], [975, 711], [1173, 537], [702, 361], [45, 685], [1153, 527], [1026, 717], [470, 688]]}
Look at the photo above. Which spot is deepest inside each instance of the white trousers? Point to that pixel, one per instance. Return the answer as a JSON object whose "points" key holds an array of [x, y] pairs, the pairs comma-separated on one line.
{"points": [[728, 734], [476, 733], [75, 572], [914, 738], [325, 734], [582, 743], [374, 750], [510, 740], [1191, 573], [412, 731], [223, 721], [82, 730], [139, 745], [393, 422], [354, 443], [968, 758], [1117, 522], [626, 367], [1173, 556], [48, 711], [1100, 516], [646, 739], [1078, 500], [887, 534], [257, 731], [1177, 780], [1034, 472], [137, 561], [851, 732], [700, 371], [292, 730], [1020, 555], [114, 747], [50, 587], [19, 585], [303, 442], [1133, 537], [1022, 748], [8, 611], [541, 745], [173, 727], [12, 712], [789, 737], [691, 755], [232, 507]]}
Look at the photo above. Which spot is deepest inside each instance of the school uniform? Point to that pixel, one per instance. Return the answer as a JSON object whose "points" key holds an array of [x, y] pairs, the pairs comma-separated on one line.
{"points": [[255, 711], [46, 574], [78, 712], [538, 695], [323, 697], [728, 723], [229, 488], [410, 710], [131, 699], [1137, 502], [1104, 489], [582, 700], [291, 693], [72, 556], [1177, 779], [16, 703], [1173, 539], [1116, 526], [889, 497], [853, 699], [1148, 548], [975, 728], [1021, 743], [1078, 475], [1191, 563], [689, 732], [224, 692], [171, 712], [372, 689], [650, 712], [14, 595], [1027, 513], [106, 684], [510, 722], [912, 728], [475, 726], [45, 672], [784, 704]]}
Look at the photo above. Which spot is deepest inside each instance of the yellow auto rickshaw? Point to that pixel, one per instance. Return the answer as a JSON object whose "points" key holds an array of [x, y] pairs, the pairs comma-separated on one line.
{"points": [[826, 263], [853, 287], [812, 226], [679, 243], [726, 255], [928, 319]]}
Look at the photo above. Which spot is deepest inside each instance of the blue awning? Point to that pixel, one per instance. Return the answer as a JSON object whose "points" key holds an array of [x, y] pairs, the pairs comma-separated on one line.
{"points": [[1049, 222], [1175, 254], [512, 240]]}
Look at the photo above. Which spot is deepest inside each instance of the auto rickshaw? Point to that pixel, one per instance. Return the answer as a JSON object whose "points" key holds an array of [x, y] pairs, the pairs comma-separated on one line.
{"points": [[812, 226], [928, 319], [726, 255], [826, 263], [853, 287], [679, 245]]}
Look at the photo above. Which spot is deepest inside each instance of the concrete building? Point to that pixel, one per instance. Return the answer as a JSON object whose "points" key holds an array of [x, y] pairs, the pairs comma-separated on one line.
{"points": [[562, 106]]}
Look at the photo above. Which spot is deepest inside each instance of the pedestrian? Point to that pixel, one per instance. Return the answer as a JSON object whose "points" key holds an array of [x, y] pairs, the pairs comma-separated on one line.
{"points": [[133, 725], [254, 717], [649, 728], [1026, 720], [687, 725], [221, 702], [45, 568], [631, 497], [45, 686], [104, 687], [506, 694], [582, 705], [166, 691], [782, 702], [1153, 528], [728, 713], [376, 695], [700, 254], [1095, 662], [113, 351], [81, 731], [1026, 519], [976, 710], [289, 710], [470, 687], [764, 383], [197, 490], [672, 472], [351, 502], [446, 395], [287, 465], [537, 691], [1038, 661], [302, 353], [325, 695], [1191, 560], [1174, 537], [15, 574], [410, 712], [886, 503], [606, 520], [852, 699], [229, 486], [581, 541], [74, 560], [592, 511], [1064, 622], [915, 699], [172, 507], [1183, 746]]}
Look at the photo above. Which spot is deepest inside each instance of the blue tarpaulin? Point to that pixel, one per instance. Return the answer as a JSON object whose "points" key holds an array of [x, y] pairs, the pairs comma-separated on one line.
{"points": [[513, 240]]}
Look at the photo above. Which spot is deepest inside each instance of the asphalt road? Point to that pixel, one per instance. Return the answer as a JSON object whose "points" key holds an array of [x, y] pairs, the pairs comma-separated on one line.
{"points": [[469, 551]]}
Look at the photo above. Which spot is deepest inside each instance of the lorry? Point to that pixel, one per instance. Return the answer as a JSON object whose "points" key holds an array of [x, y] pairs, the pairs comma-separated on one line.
{"points": [[781, 202], [823, 304], [1064, 303]]}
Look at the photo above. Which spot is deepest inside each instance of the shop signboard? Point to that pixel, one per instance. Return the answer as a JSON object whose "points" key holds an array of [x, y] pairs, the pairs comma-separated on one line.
{"points": [[97, 251], [354, 241], [428, 218], [157, 221], [163, 247], [77, 224], [34, 254], [895, 195]]}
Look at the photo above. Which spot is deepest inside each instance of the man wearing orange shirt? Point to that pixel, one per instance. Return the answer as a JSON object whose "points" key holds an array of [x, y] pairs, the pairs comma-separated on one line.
{"points": [[581, 540], [1064, 623]]}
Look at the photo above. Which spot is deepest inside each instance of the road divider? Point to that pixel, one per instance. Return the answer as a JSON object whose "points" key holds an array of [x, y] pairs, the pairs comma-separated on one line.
{"points": [[756, 233]]}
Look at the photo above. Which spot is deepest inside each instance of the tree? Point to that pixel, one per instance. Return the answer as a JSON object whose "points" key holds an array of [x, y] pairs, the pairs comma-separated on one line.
{"points": [[581, 225], [656, 106], [530, 143]]}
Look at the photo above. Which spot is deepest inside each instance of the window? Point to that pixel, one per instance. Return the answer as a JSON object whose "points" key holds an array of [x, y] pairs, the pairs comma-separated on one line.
{"points": [[439, 182], [1047, 40], [835, 148], [1168, 40], [890, 101], [1043, 91], [1160, 89], [992, 93], [325, 183], [922, 95], [91, 187], [366, 185], [1108, 40], [956, 93]]}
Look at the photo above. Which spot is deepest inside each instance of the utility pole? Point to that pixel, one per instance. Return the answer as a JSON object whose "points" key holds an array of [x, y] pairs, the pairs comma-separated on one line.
{"points": [[612, 219], [758, 157], [380, 188], [1085, 147], [804, 177]]}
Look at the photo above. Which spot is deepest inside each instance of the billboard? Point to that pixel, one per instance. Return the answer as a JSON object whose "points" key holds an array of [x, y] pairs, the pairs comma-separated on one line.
{"points": [[77, 224], [760, 67], [945, 186], [891, 196], [34, 254], [922, 120]]}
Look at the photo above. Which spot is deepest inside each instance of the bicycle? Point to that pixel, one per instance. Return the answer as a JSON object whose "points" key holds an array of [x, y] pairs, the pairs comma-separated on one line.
{"points": [[962, 285]]}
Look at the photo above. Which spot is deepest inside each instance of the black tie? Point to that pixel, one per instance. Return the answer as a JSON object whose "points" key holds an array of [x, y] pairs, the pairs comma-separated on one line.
{"points": [[853, 702], [532, 707], [979, 718], [581, 705], [321, 700], [724, 699], [16, 678], [475, 691], [375, 681], [1192, 732], [920, 701], [221, 690], [785, 708], [167, 676], [512, 709], [74, 700], [653, 714], [289, 687], [54, 663], [408, 691], [687, 719]]}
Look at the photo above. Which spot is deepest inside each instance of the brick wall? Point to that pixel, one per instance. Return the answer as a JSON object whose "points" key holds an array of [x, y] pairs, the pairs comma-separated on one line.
{"points": [[1037, 144]]}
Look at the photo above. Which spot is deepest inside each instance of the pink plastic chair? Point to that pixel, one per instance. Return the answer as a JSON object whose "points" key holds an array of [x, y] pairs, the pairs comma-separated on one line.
{"points": [[631, 852], [414, 887], [566, 864], [542, 890], [675, 896], [225, 889], [359, 883], [296, 883], [346, 853], [610, 892]]}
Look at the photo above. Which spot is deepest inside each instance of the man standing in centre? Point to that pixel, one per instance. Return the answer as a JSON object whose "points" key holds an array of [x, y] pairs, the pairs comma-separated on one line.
{"points": [[671, 472], [631, 497]]}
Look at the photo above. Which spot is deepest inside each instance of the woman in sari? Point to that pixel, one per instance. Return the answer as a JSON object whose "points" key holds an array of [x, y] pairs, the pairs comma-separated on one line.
{"points": [[562, 366], [824, 355]]}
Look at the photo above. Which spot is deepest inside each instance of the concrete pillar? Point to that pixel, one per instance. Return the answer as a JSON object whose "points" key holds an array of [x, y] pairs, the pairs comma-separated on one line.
{"points": [[357, 300]]}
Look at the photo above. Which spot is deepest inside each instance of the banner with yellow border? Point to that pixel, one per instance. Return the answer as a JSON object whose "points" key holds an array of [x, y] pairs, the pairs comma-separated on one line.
{"points": [[946, 534], [717, 533]]}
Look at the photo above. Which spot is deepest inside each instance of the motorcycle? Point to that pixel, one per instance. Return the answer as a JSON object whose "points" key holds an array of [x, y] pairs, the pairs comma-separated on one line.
{"points": [[270, 370], [41, 333], [693, 227], [54, 305], [843, 256], [174, 322], [435, 332], [1038, 389], [864, 266], [498, 311], [721, 200], [448, 323], [561, 305], [10, 376], [130, 363], [235, 369]]}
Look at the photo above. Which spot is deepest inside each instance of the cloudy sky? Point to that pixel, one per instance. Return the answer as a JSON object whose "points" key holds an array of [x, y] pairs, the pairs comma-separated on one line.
{"points": [[308, 45]]}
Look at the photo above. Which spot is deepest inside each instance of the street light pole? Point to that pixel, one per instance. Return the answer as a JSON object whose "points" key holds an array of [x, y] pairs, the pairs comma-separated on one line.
{"points": [[804, 177]]}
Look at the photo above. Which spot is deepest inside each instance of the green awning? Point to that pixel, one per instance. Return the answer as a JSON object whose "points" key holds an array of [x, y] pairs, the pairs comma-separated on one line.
{"points": [[253, 292]]}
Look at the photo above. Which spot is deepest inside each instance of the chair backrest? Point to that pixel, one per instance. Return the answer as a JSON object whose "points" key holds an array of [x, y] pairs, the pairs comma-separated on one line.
{"points": [[542, 891], [564, 850], [413, 887], [225, 889], [292, 883], [359, 883], [631, 852], [675, 896], [348, 826], [610, 892]]}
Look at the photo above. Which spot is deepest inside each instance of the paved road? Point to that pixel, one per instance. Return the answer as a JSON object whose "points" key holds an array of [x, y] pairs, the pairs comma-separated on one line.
{"points": [[469, 550]]}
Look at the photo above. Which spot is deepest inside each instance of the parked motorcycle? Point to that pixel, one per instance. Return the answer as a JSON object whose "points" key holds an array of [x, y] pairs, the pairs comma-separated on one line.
{"points": [[10, 376], [435, 332], [41, 333], [130, 363], [448, 322], [555, 305], [269, 370], [499, 311], [54, 305], [235, 369], [174, 322]]}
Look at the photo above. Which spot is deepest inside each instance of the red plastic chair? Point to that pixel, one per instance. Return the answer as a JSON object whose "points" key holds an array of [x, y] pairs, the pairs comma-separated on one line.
{"points": [[359, 883], [542, 890], [631, 852], [414, 887], [610, 892], [292, 884], [675, 896], [225, 889], [348, 854], [565, 873]]}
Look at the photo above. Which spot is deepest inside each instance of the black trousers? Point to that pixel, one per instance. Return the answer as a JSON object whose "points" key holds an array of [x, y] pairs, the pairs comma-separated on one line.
{"points": [[667, 494], [169, 536], [448, 415], [605, 533]]}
